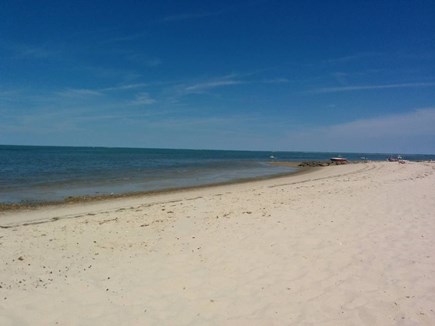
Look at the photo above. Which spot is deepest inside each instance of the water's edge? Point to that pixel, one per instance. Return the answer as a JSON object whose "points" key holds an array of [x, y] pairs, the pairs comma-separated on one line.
{"points": [[94, 198]]}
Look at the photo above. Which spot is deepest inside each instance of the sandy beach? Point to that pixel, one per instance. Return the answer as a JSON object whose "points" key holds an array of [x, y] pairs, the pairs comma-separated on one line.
{"points": [[341, 245]]}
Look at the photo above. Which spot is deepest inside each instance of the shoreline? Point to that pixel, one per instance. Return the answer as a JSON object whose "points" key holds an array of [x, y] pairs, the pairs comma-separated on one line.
{"points": [[24, 215], [7, 207]]}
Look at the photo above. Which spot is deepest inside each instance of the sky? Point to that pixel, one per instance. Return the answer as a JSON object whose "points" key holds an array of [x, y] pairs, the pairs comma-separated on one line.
{"points": [[301, 75]]}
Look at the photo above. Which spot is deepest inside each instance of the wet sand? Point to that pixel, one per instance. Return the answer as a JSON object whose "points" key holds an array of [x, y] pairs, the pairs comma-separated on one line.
{"points": [[94, 198], [341, 245]]}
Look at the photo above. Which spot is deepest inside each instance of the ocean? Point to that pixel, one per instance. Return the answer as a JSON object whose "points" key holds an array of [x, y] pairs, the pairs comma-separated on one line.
{"points": [[34, 174]]}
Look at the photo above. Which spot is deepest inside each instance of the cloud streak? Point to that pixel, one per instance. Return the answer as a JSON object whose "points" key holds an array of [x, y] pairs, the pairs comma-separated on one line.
{"points": [[225, 81], [418, 122], [371, 87], [143, 98], [353, 57], [398, 133], [124, 87], [205, 86], [79, 93]]}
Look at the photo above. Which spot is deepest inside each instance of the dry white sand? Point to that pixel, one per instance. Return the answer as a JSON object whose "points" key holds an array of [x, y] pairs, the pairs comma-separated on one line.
{"points": [[343, 245]]}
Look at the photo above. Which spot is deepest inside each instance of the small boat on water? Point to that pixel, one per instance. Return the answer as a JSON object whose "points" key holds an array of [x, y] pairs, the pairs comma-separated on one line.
{"points": [[341, 160], [395, 159]]}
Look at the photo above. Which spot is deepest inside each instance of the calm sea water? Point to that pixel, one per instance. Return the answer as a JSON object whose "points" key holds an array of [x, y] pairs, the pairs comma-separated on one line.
{"points": [[37, 173]]}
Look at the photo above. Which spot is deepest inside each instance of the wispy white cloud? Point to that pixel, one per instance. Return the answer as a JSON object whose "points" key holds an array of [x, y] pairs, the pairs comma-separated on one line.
{"points": [[230, 80], [205, 86], [8, 94], [405, 132], [124, 87], [86, 92], [229, 8], [30, 51], [353, 57], [143, 98], [276, 81], [36, 52], [417, 122], [79, 92], [371, 87]]}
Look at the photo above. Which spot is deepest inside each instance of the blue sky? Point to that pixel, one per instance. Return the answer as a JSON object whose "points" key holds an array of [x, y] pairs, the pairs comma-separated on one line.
{"points": [[275, 75]]}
